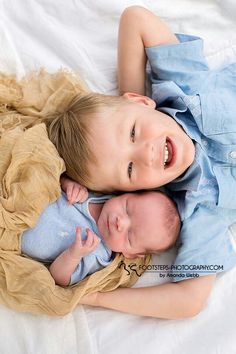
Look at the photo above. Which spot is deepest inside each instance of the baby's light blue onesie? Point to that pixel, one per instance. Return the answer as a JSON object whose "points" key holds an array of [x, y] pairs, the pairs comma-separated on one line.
{"points": [[55, 231]]}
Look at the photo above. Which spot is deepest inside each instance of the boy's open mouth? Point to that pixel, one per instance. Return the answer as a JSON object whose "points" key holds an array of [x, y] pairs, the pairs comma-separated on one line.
{"points": [[168, 153]]}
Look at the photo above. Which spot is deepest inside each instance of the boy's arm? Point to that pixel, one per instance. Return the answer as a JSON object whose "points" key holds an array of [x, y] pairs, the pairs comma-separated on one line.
{"points": [[171, 301], [65, 264], [139, 28]]}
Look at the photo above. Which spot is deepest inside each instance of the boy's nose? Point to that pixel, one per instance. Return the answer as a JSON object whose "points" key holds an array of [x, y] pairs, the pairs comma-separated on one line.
{"points": [[145, 154]]}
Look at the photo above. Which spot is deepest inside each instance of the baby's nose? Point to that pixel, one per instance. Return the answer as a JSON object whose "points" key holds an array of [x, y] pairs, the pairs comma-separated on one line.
{"points": [[122, 223]]}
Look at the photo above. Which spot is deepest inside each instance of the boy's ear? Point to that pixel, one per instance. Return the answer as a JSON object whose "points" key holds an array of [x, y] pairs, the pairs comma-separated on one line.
{"points": [[136, 97]]}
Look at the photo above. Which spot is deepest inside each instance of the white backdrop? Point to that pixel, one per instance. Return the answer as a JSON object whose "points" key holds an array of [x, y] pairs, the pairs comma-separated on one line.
{"points": [[82, 35]]}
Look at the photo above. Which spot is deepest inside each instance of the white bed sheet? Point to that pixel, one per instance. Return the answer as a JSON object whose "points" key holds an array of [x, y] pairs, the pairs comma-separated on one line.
{"points": [[82, 35]]}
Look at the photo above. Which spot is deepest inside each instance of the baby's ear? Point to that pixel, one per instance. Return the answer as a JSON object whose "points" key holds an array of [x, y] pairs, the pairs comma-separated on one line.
{"points": [[157, 252], [141, 255], [131, 256]]}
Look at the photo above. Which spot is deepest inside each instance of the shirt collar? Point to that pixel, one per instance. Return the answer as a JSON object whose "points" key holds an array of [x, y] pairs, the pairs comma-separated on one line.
{"points": [[189, 180]]}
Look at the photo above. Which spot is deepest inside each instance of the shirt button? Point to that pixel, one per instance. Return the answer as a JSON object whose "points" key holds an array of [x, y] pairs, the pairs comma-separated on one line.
{"points": [[233, 154], [204, 142]]}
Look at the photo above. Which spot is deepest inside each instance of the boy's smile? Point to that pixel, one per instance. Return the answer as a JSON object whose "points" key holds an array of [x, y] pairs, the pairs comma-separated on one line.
{"points": [[138, 147]]}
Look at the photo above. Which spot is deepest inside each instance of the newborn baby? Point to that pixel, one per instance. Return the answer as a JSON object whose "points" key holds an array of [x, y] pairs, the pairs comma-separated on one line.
{"points": [[133, 223]]}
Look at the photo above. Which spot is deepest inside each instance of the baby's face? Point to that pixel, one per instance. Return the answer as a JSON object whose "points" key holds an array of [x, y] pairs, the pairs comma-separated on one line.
{"points": [[131, 224], [138, 147]]}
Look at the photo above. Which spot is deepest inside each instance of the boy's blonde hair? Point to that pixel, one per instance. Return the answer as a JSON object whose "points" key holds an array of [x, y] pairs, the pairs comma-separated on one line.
{"points": [[70, 132]]}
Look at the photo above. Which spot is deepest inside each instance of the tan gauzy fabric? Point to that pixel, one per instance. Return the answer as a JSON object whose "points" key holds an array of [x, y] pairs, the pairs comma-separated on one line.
{"points": [[30, 170]]}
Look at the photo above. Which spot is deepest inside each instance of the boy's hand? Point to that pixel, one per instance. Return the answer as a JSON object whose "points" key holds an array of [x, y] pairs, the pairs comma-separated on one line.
{"points": [[81, 248], [75, 192]]}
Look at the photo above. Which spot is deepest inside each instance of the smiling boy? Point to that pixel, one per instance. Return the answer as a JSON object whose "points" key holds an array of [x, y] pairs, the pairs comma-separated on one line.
{"points": [[146, 147]]}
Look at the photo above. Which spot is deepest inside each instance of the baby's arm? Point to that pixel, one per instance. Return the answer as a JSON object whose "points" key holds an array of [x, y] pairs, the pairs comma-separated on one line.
{"points": [[139, 28], [171, 301], [65, 264], [75, 192]]}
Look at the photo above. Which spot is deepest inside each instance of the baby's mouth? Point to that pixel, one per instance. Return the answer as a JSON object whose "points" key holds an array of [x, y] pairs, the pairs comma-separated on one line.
{"points": [[168, 153], [108, 225]]}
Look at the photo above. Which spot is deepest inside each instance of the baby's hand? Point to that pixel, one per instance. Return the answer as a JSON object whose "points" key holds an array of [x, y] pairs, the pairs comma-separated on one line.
{"points": [[74, 191], [81, 248]]}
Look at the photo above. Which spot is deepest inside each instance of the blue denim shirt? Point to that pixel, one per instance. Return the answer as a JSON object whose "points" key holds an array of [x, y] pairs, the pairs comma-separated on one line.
{"points": [[203, 102]]}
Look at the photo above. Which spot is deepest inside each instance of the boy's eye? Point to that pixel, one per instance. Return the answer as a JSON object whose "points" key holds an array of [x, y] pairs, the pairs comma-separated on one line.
{"points": [[130, 169], [132, 133]]}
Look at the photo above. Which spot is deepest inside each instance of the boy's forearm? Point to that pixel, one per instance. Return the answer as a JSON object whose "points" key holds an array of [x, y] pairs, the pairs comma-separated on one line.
{"points": [[63, 267], [139, 28], [169, 301], [162, 301], [131, 57]]}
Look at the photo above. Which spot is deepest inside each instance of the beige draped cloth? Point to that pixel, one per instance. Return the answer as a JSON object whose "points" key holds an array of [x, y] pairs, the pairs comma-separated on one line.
{"points": [[30, 170]]}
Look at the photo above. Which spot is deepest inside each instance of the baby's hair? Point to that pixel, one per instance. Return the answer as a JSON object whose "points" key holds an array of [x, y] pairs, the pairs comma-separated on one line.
{"points": [[172, 221], [70, 131], [171, 218]]}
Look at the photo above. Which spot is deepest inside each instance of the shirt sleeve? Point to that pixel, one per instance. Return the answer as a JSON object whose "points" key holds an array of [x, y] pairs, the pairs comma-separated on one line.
{"points": [[87, 265], [183, 64], [205, 246]]}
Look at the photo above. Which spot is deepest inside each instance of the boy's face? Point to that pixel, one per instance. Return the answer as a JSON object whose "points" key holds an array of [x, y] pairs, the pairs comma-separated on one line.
{"points": [[132, 224], [138, 147]]}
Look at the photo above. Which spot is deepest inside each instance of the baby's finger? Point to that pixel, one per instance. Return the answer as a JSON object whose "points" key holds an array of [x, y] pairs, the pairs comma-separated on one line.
{"points": [[85, 193], [82, 195], [96, 242], [92, 248], [94, 239], [75, 195], [69, 192], [90, 238], [78, 239]]}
